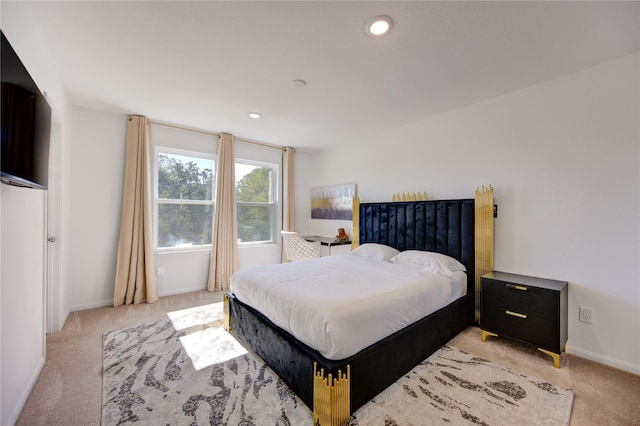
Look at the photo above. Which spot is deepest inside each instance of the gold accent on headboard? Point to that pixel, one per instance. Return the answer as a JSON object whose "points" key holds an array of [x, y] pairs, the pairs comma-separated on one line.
{"points": [[483, 238], [355, 222], [409, 197]]}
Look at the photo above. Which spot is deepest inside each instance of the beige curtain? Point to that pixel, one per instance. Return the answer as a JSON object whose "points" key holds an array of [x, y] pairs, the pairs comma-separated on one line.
{"points": [[288, 191], [224, 246], [135, 280]]}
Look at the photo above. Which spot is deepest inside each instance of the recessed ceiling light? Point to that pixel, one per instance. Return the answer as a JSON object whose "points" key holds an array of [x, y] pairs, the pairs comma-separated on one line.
{"points": [[298, 83], [255, 115], [379, 25]]}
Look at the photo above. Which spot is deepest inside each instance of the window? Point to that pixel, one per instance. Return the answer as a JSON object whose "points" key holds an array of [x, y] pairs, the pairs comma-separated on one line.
{"points": [[256, 200], [184, 199]]}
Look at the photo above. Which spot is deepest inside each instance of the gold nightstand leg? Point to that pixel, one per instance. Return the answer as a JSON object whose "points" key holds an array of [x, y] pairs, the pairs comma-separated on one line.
{"points": [[555, 356], [485, 334]]}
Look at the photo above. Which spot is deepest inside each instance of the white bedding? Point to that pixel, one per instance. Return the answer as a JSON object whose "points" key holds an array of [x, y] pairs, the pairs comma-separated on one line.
{"points": [[339, 305]]}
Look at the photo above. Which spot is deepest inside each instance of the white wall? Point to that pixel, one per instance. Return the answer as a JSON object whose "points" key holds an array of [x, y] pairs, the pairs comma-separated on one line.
{"points": [[26, 41], [24, 222], [92, 207], [309, 174], [564, 159], [23, 294]]}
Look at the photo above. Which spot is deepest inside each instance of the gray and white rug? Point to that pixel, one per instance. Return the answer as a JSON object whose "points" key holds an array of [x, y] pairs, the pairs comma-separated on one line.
{"points": [[154, 374]]}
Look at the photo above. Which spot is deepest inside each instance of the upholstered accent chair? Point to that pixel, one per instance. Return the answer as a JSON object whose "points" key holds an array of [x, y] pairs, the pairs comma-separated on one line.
{"points": [[297, 248]]}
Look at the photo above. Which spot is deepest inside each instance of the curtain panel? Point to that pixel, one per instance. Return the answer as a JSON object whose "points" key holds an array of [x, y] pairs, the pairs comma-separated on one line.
{"points": [[135, 280], [288, 192], [224, 246]]}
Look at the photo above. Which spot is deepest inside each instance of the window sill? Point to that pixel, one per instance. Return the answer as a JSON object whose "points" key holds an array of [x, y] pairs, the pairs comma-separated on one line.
{"points": [[182, 252]]}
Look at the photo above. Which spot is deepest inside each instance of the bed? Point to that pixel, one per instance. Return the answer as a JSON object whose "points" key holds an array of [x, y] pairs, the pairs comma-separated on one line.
{"points": [[455, 228]]}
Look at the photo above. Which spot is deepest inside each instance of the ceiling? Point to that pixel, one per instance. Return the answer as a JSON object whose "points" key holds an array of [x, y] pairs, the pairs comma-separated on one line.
{"points": [[207, 65]]}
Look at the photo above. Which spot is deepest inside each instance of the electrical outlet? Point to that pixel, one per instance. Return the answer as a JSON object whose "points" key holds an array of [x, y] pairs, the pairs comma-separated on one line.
{"points": [[586, 315]]}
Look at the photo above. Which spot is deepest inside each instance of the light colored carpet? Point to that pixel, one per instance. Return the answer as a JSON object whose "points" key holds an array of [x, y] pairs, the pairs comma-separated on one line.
{"points": [[69, 388], [158, 373]]}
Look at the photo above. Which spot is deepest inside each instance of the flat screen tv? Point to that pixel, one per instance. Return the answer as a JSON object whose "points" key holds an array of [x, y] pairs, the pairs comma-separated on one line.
{"points": [[25, 118]]}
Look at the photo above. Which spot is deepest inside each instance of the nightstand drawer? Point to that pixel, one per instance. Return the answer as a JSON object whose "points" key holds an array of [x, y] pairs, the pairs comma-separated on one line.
{"points": [[535, 301], [538, 331]]}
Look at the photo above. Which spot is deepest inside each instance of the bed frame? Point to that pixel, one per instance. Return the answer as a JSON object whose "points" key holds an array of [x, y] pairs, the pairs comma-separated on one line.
{"points": [[462, 229]]}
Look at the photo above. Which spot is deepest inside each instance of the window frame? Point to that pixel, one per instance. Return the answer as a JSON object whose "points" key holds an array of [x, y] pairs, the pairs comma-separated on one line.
{"points": [[273, 202], [157, 201]]}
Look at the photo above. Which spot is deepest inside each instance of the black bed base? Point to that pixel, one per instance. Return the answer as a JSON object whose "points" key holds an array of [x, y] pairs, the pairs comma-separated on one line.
{"points": [[372, 370]]}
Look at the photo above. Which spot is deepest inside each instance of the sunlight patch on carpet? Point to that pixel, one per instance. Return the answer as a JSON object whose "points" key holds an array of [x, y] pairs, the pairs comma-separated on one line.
{"points": [[206, 342], [211, 346], [200, 316]]}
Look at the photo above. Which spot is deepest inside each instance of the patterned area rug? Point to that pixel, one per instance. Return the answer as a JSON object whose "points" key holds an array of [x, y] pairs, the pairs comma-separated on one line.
{"points": [[153, 374], [455, 387]]}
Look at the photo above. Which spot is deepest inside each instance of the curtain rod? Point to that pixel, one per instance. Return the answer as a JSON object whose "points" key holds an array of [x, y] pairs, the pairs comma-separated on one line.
{"points": [[214, 134]]}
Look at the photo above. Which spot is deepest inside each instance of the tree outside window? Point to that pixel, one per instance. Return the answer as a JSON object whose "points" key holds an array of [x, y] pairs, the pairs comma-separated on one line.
{"points": [[255, 198], [184, 199]]}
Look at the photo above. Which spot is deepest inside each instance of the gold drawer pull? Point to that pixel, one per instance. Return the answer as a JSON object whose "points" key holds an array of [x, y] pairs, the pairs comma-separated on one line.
{"points": [[516, 314], [516, 287]]}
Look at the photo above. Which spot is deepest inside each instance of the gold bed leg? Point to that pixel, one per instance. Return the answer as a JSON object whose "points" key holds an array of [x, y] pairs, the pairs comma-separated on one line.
{"points": [[485, 334], [355, 222], [331, 398], [483, 238], [555, 356], [226, 313]]}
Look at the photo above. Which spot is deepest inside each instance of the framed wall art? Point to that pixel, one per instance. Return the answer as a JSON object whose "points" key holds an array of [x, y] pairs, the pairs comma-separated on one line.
{"points": [[332, 202]]}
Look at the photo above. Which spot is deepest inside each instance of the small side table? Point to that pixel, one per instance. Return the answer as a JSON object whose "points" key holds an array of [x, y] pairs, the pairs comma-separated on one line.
{"points": [[326, 241], [530, 309]]}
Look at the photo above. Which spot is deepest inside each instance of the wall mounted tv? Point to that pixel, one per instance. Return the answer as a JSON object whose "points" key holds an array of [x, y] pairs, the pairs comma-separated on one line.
{"points": [[25, 118]]}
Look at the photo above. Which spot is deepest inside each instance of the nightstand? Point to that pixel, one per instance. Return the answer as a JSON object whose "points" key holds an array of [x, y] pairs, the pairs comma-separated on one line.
{"points": [[529, 309]]}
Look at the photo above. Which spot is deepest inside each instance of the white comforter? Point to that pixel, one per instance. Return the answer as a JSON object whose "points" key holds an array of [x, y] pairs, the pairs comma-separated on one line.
{"points": [[339, 305]]}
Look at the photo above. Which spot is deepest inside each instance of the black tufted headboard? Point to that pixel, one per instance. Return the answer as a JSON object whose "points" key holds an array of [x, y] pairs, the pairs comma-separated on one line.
{"points": [[443, 226]]}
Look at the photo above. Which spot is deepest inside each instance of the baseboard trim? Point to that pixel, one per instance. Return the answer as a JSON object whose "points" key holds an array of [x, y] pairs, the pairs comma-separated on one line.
{"points": [[15, 413], [603, 359], [91, 305], [109, 302], [181, 291]]}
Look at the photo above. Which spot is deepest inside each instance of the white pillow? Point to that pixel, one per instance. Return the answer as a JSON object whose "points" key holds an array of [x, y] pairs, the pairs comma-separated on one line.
{"points": [[433, 262], [375, 251]]}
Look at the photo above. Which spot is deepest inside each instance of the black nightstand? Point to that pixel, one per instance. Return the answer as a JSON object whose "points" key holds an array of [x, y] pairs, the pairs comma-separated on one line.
{"points": [[529, 309]]}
